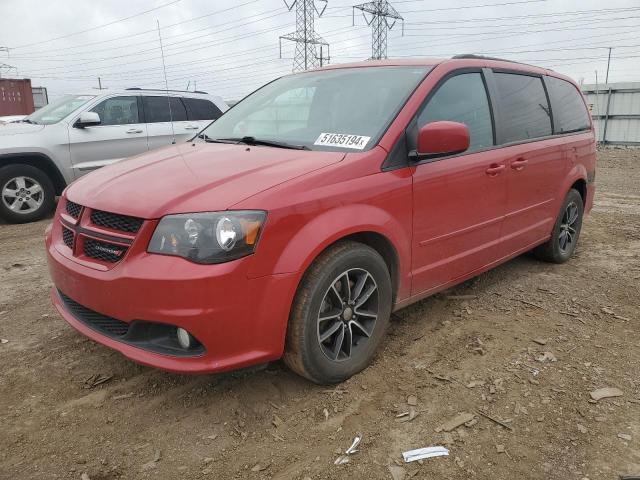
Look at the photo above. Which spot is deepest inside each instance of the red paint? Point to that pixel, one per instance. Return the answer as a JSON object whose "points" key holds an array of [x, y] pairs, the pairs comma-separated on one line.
{"points": [[16, 97], [446, 220], [437, 138]]}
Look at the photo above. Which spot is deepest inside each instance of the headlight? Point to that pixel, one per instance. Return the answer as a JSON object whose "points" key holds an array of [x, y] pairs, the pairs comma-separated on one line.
{"points": [[214, 237]]}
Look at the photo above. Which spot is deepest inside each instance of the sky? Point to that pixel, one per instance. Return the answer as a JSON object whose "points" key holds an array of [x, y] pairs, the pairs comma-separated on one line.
{"points": [[230, 48]]}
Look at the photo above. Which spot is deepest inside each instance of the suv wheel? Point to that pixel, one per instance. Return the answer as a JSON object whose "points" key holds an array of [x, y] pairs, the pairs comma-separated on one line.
{"points": [[26, 194], [340, 314], [564, 237]]}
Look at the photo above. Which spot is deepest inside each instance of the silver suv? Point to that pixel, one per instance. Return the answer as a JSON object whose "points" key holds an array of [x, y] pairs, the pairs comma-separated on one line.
{"points": [[44, 152]]}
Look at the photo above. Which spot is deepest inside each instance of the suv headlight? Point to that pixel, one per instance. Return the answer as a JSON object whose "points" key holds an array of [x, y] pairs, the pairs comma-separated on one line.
{"points": [[213, 237]]}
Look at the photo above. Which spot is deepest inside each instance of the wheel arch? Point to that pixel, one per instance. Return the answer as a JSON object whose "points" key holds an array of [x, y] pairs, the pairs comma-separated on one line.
{"points": [[40, 161]]}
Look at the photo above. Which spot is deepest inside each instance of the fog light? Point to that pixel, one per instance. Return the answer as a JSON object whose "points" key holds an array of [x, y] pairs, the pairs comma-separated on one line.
{"points": [[185, 340]]}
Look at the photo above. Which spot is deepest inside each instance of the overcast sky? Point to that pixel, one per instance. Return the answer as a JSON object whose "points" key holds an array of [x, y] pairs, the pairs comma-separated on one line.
{"points": [[231, 47]]}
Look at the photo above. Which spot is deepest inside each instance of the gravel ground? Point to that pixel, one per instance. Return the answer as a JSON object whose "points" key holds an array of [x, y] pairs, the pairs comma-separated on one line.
{"points": [[524, 345]]}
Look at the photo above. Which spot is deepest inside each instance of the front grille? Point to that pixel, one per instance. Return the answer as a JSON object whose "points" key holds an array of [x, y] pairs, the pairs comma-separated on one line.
{"points": [[67, 237], [106, 252], [73, 209], [123, 223], [103, 324]]}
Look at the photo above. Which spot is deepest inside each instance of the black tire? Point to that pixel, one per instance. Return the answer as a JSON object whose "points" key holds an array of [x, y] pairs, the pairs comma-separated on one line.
{"points": [[305, 354], [45, 198], [566, 227]]}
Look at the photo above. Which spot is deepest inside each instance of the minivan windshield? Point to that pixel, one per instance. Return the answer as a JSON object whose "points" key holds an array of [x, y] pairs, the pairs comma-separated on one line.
{"points": [[346, 109], [56, 111]]}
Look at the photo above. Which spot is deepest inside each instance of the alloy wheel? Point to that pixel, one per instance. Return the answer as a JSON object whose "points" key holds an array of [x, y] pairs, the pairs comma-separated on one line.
{"points": [[22, 195], [568, 232], [348, 314]]}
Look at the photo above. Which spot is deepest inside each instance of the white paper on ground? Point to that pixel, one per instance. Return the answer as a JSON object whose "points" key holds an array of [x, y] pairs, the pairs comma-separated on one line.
{"points": [[421, 453]]}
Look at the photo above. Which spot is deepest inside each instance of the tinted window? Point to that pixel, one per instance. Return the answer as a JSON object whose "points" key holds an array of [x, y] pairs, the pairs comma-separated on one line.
{"points": [[199, 109], [463, 99], [524, 108], [569, 111], [156, 109], [118, 111]]}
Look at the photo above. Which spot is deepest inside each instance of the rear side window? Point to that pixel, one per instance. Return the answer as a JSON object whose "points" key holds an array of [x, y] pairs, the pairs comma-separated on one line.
{"points": [[200, 109], [569, 111], [156, 109], [463, 99], [118, 111], [524, 112]]}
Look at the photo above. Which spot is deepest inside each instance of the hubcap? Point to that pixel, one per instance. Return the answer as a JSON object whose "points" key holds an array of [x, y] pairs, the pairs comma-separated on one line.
{"points": [[22, 195], [568, 232], [348, 314]]}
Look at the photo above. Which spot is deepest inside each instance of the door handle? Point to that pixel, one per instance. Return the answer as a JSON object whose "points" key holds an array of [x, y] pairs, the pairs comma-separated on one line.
{"points": [[192, 127], [519, 164], [134, 130], [495, 169]]}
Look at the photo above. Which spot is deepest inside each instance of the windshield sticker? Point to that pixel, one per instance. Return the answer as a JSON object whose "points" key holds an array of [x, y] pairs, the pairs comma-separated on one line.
{"points": [[357, 142]]}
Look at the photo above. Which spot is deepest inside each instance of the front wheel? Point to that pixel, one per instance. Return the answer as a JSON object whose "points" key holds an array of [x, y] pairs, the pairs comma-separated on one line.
{"points": [[566, 231], [26, 194], [340, 314]]}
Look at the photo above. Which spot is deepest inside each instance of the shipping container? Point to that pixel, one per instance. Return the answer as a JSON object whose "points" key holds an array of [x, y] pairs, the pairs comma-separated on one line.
{"points": [[16, 97]]}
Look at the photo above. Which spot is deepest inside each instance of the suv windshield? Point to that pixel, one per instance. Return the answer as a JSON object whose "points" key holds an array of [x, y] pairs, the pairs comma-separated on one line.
{"points": [[346, 108], [56, 111]]}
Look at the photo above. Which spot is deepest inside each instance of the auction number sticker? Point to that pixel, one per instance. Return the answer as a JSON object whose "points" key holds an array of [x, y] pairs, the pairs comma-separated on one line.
{"points": [[357, 142]]}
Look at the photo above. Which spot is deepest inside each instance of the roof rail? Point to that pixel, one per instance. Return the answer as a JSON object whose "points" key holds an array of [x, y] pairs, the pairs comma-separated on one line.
{"points": [[165, 90], [471, 56], [481, 57]]}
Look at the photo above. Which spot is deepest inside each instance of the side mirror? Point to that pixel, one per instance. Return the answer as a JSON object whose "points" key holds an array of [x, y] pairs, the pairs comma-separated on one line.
{"points": [[87, 119], [438, 139]]}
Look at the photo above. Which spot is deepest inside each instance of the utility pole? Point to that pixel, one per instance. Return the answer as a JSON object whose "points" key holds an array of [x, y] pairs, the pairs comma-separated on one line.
{"points": [[383, 17], [305, 37], [606, 80]]}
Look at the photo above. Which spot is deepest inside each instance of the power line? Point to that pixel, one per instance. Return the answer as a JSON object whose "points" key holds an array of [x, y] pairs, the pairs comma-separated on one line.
{"points": [[98, 26]]}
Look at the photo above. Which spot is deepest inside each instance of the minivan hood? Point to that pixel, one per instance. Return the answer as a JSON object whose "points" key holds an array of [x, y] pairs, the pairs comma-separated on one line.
{"points": [[19, 128], [189, 178]]}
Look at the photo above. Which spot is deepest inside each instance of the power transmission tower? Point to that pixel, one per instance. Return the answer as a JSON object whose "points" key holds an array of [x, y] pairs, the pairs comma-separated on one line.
{"points": [[4, 66], [305, 37], [383, 17]]}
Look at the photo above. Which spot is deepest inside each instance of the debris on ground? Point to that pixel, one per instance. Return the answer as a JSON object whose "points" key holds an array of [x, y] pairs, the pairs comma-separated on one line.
{"points": [[397, 472], [412, 400], [502, 423], [608, 392], [539, 341], [422, 453], [258, 467], [96, 379], [547, 357], [153, 463], [624, 436], [455, 422], [342, 459], [4, 340]]}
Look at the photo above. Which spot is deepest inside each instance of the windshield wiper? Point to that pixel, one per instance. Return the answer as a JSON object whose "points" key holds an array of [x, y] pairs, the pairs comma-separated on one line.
{"points": [[266, 143], [26, 120], [208, 139]]}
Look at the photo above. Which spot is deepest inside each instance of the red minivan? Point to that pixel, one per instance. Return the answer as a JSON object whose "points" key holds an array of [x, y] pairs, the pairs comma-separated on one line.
{"points": [[296, 223]]}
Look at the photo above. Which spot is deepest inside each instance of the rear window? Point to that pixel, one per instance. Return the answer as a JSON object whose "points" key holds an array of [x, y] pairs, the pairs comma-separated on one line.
{"points": [[156, 109], [524, 110], [200, 109], [569, 111]]}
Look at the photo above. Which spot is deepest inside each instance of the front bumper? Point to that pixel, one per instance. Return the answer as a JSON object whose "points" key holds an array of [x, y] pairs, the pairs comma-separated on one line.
{"points": [[239, 321]]}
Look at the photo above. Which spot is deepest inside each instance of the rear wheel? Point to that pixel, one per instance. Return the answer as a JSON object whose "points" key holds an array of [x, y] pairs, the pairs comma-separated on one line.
{"points": [[566, 231], [26, 194], [340, 314]]}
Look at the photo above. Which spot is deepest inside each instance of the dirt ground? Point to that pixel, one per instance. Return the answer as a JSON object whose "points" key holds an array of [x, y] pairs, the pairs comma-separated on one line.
{"points": [[480, 348]]}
